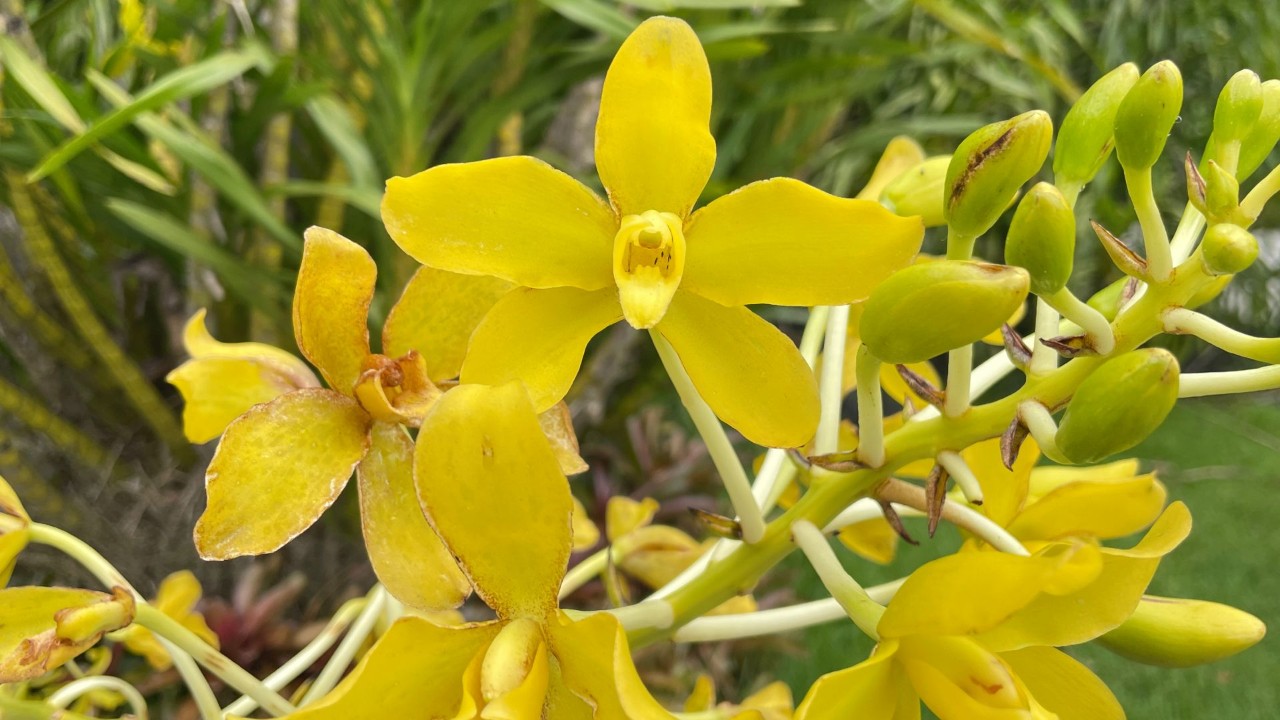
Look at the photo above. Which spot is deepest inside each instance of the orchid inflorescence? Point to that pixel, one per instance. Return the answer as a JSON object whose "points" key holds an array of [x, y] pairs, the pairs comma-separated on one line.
{"points": [[460, 441]]}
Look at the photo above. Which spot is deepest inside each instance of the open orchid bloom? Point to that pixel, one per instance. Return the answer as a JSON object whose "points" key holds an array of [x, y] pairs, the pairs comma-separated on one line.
{"points": [[583, 264], [287, 455], [511, 532]]}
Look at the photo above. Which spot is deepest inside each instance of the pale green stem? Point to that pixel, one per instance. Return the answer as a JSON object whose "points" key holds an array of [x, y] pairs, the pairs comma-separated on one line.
{"points": [[830, 386], [1181, 321], [1186, 234], [582, 573], [1070, 191], [870, 410], [958, 514], [201, 693], [1155, 238], [814, 331], [721, 450], [1094, 323], [864, 611], [652, 613], [69, 693], [959, 375], [306, 657], [1229, 383], [347, 649], [1040, 423], [959, 471], [1261, 193], [1044, 359], [786, 476]]}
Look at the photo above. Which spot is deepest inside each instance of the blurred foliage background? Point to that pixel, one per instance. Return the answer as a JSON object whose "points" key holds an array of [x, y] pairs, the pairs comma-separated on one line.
{"points": [[158, 156]]}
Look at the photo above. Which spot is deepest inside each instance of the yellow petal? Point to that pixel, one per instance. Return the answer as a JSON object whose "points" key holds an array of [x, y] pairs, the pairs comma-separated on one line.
{"points": [[1092, 509], [277, 469], [557, 425], [654, 149], [436, 314], [199, 343], [1062, 685], [1004, 491], [331, 306], [515, 218], [14, 522], [585, 532], [414, 671], [900, 155], [751, 375], [774, 700], [622, 515], [873, 539], [595, 663], [538, 337], [526, 700], [703, 695], [783, 242], [217, 390], [1047, 478], [869, 690], [656, 554], [957, 678], [30, 641], [1102, 604], [490, 485], [406, 553]]}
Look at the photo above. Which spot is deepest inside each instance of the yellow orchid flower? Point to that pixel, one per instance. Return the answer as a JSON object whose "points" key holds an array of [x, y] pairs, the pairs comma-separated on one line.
{"points": [[584, 264], [289, 452], [772, 702], [511, 532], [14, 534], [44, 627], [177, 598]]}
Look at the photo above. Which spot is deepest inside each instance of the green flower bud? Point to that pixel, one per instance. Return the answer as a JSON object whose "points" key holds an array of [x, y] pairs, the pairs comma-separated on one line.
{"points": [[926, 309], [1042, 238], [918, 191], [1119, 405], [1086, 137], [1215, 193], [1179, 633], [1262, 138], [1109, 299], [990, 165], [1238, 108], [1228, 249], [1147, 115]]}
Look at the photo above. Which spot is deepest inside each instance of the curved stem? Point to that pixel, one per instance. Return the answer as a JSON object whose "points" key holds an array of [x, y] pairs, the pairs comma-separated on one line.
{"points": [[860, 608], [1229, 383], [959, 470], [1186, 234], [830, 388], [69, 693], [346, 652], [962, 516], [1043, 358], [1155, 238], [582, 573], [1040, 423], [1261, 193], [1181, 321], [959, 373], [815, 330], [870, 409], [1094, 323]]}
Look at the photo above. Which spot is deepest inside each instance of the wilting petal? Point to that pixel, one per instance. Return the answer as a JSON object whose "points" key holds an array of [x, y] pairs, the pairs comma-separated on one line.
{"points": [[14, 534], [595, 664], [414, 671], [33, 639], [538, 337], [200, 344], [751, 375], [1062, 685], [1101, 605], [277, 469], [557, 425], [783, 242], [869, 690], [490, 485], [406, 553], [217, 390], [515, 218], [656, 554], [957, 678], [654, 149], [331, 306], [436, 314], [900, 155], [1107, 509]]}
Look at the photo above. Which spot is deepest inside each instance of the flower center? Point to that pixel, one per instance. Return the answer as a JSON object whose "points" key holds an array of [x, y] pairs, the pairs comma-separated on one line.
{"points": [[396, 391], [648, 262]]}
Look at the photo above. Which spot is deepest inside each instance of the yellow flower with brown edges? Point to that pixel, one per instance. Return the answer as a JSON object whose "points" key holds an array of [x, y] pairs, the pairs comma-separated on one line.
{"points": [[289, 446], [583, 264], [510, 529]]}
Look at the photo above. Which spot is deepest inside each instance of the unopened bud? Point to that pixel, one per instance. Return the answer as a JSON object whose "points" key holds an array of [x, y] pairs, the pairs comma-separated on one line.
{"points": [[926, 309], [900, 155], [87, 623], [1228, 249], [1221, 193], [1177, 632], [1110, 299], [1238, 108], [1147, 115], [990, 165], [1042, 238], [1265, 133], [918, 191], [510, 657], [1086, 136], [1119, 405]]}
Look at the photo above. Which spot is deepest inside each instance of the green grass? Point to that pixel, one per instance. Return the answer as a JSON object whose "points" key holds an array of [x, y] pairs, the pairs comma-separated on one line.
{"points": [[1223, 459]]}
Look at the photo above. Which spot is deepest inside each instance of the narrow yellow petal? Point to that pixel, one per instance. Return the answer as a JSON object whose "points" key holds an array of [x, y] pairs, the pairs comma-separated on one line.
{"points": [[538, 337], [406, 553], [783, 242], [900, 155], [1092, 509], [751, 375], [595, 663], [654, 149], [30, 642], [557, 425], [490, 485], [1062, 685], [199, 343], [515, 218], [217, 390], [277, 469], [436, 314], [331, 306], [434, 659], [526, 700], [868, 690]]}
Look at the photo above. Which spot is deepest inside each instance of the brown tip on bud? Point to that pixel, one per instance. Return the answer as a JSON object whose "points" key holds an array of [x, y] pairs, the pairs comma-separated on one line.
{"points": [[844, 462], [718, 525], [1011, 442], [935, 495], [895, 521], [921, 386], [1195, 184], [1129, 262], [1019, 353], [1069, 346]]}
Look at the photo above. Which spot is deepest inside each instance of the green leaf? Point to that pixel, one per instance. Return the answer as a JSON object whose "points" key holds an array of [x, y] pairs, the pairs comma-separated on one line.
{"points": [[339, 128], [366, 200], [599, 16], [178, 85]]}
